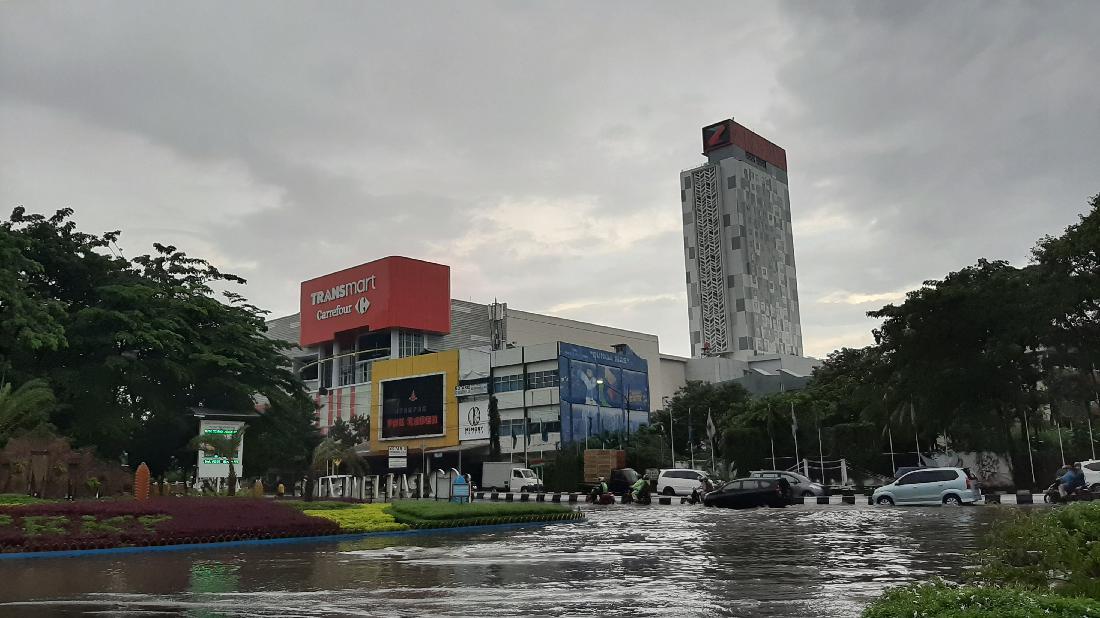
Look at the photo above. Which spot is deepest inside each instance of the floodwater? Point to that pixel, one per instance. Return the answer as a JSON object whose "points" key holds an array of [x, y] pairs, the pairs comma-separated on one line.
{"points": [[799, 561]]}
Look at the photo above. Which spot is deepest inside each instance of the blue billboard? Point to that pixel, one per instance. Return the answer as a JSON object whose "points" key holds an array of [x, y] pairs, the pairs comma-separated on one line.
{"points": [[601, 392]]}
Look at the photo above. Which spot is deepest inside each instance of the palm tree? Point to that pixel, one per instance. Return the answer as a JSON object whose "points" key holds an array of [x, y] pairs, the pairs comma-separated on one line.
{"points": [[224, 446], [23, 408]]}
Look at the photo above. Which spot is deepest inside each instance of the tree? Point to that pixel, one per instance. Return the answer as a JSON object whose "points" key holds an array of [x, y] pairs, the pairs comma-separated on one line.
{"points": [[350, 433], [130, 345], [494, 430], [335, 453], [223, 446], [686, 412], [25, 407], [281, 441]]}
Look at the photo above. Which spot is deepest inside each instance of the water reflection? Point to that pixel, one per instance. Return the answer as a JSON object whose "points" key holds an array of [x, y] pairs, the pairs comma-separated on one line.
{"points": [[643, 560]]}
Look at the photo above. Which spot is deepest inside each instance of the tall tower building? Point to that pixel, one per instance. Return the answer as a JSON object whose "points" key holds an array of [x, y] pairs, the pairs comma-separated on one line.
{"points": [[738, 248]]}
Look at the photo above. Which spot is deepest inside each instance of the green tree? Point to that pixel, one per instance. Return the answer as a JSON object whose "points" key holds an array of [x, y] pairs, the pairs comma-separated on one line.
{"points": [[494, 430], [224, 446], [130, 345], [25, 407], [687, 411]]}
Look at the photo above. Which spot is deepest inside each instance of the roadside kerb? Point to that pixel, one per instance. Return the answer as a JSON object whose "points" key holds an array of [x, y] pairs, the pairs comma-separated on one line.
{"points": [[847, 499]]}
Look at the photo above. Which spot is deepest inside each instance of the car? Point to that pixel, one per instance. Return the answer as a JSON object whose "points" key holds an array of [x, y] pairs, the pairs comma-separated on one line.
{"points": [[1091, 468], [746, 494], [681, 481], [947, 486], [800, 484], [621, 480]]}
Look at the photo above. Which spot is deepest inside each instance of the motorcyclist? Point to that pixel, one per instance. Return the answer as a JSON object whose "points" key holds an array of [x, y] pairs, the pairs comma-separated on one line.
{"points": [[637, 489], [1071, 480], [599, 490]]}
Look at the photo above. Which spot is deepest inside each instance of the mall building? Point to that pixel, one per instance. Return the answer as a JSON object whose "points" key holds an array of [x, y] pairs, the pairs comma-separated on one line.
{"points": [[385, 339]]}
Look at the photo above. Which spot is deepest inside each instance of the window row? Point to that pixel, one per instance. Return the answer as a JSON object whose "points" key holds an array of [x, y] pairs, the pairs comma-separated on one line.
{"points": [[535, 379]]}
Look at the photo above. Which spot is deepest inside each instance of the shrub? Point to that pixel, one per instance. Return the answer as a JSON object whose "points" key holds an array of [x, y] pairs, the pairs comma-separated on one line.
{"points": [[326, 505], [938, 599], [1057, 549], [158, 521], [18, 500], [361, 518]]}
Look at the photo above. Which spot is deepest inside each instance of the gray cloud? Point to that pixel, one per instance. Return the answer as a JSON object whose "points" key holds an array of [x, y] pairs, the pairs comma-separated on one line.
{"points": [[535, 148]]}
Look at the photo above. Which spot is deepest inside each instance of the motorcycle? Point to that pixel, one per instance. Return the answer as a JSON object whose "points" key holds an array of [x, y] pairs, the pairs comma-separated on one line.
{"points": [[1080, 494], [604, 498]]}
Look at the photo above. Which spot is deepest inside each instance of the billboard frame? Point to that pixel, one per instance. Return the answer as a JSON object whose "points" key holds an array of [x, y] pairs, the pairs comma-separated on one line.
{"points": [[381, 403]]}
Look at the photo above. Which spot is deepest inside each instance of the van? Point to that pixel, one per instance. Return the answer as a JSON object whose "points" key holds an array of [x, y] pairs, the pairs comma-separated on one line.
{"points": [[946, 486]]}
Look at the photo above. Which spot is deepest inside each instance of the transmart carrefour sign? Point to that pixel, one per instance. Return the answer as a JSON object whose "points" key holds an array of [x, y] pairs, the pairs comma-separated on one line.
{"points": [[393, 292]]}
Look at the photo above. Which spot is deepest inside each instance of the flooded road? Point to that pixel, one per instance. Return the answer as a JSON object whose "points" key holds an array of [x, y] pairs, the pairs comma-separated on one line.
{"points": [[800, 561]]}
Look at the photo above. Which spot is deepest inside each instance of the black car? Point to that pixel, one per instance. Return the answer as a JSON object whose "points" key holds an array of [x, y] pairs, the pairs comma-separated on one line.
{"points": [[621, 480], [746, 494]]}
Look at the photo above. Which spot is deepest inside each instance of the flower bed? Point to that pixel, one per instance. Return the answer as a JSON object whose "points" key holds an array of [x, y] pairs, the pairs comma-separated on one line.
{"points": [[19, 500], [359, 517], [431, 514], [164, 521]]}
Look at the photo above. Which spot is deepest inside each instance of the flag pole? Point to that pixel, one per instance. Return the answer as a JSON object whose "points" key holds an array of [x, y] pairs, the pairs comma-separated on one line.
{"points": [[771, 439], [794, 432]]}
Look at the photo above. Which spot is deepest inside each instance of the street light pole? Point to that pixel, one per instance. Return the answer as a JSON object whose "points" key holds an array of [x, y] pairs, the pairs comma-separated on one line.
{"points": [[599, 401]]}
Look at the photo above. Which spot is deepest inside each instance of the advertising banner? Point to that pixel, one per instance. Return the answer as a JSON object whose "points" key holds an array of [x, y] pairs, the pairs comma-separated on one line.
{"points": [[211, 466], [412, 407], [473, 420], [601, 392]]}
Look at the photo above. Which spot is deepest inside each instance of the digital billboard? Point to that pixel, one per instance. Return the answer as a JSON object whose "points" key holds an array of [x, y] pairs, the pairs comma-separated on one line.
{"points": [[601, 392], [412, 407]]}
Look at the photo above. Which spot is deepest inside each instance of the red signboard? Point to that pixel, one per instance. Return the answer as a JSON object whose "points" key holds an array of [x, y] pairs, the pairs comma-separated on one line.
{"points": [[729, 132], [393, 292]]}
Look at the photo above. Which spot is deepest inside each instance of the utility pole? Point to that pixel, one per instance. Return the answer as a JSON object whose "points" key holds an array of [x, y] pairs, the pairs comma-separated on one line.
{"points": [[691, 440]]}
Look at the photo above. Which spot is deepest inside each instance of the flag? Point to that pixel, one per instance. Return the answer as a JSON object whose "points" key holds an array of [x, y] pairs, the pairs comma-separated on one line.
{"points": [[711, 429], [513, 436], [794, 423]]}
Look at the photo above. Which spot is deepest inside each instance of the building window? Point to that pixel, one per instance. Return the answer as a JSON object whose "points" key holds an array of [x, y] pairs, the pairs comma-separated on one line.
{"points": [[542, 379], [725, 220], [731, 182], [506, 384], [308, 366], [411, 344]]}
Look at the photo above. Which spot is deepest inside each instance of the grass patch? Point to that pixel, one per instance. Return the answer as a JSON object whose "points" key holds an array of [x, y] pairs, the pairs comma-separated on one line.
{"points": [[19, 500], [319, 505], [431, 514], [361, 518], [940, 600]]}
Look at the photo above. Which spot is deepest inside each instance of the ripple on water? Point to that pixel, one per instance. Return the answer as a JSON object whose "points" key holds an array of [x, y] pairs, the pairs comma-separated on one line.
{"points": [[801, 561]]}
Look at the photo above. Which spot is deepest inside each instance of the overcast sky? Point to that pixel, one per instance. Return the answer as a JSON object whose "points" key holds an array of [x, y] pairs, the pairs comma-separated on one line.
{"points": [[536, 147]]}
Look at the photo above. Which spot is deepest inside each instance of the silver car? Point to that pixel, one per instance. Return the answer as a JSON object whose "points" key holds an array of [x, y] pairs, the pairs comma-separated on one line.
{"points": [[800, 485], [947, 486]]}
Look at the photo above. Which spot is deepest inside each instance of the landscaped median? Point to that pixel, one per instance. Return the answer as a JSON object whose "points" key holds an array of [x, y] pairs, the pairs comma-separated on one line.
{"points": [[105, 524]]}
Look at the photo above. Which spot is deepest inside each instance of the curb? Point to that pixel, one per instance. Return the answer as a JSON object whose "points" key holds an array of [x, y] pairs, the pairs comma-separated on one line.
{"points": [[848, 499]]}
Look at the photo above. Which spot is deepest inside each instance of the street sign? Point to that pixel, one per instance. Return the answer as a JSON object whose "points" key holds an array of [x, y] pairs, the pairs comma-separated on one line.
{"points": [[460, 489], [399, 451], [478, 388]]}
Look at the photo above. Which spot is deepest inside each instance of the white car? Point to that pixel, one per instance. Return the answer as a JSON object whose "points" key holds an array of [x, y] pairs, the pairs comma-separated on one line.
{"points": [[680, 481], [1091, 469]]}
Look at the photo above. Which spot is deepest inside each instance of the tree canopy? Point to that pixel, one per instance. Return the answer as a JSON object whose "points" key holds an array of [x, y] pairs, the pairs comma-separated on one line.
{"points": [[128, 345]]}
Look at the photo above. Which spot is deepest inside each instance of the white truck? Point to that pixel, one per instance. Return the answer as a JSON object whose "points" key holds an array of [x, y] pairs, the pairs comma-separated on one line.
{"points": [[507, 476]]}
